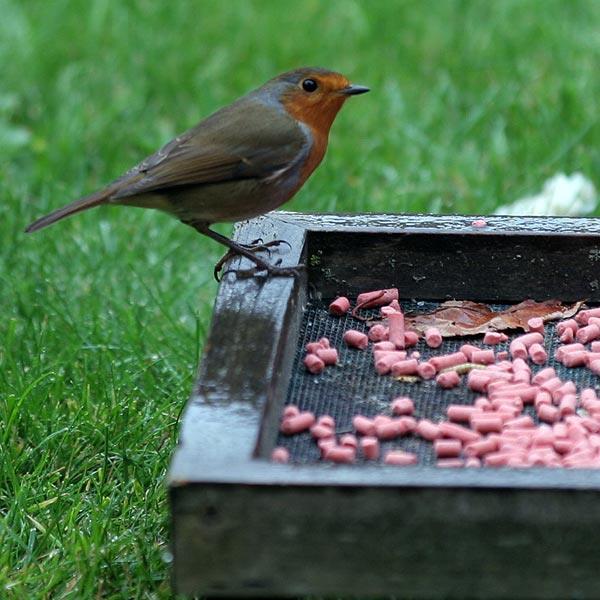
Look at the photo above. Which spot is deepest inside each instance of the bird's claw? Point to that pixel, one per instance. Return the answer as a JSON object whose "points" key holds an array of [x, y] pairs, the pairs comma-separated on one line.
{"points": [[258, 245], [219, 266], [255, 246], [271, 271]]}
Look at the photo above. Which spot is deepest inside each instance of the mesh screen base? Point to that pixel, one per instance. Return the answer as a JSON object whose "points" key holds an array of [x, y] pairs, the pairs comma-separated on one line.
{"points": [[354, 387]]}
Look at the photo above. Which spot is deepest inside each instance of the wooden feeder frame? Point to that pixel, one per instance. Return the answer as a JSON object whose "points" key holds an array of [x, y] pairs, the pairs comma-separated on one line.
{"points": [[243, 526]]}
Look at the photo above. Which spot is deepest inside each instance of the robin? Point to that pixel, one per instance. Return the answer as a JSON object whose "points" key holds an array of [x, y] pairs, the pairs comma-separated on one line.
{"points": [[240, 162]]}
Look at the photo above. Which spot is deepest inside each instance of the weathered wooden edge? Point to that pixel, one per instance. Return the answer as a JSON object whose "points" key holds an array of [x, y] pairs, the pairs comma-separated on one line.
{"points": [[423, 222], [245, 368], [265, 473], [366, 541]]}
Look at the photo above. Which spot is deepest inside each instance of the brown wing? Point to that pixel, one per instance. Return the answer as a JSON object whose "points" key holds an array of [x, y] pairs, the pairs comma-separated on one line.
{"points": [[245, 140]]}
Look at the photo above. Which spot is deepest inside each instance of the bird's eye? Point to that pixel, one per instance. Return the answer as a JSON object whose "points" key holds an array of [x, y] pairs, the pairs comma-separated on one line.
{"points": [[309, 85]]}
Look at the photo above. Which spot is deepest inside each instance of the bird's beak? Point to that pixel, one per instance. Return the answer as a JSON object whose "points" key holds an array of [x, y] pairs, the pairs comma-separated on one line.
{"points": [[355, 90]]}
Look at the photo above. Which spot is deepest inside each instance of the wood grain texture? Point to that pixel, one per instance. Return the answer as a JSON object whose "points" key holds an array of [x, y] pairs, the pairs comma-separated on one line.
{"points": [[492, 268], [275, 541]]}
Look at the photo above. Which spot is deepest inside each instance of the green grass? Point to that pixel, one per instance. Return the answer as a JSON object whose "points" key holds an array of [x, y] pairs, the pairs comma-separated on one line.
{"points": [[104, 315]]}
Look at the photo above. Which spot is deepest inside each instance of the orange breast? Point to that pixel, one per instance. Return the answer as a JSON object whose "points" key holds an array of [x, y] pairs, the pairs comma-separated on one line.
{"points": [[318, 117], [316, 154]]}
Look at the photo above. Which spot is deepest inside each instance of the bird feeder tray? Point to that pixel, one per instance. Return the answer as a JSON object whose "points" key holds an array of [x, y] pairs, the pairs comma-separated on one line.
{"points": [[245, 526]]}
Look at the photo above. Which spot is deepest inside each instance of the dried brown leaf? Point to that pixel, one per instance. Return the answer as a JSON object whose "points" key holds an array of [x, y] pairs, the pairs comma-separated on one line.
{"points": [[463, 317]]}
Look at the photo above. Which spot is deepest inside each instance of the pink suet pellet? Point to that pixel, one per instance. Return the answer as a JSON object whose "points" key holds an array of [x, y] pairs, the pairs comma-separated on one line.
{"points": [[349, 440], [487, 423], [291, 410], [428, 430], [588, 333], [400, 458], [536, 324], [385, 346], [448, 360], [327, 421], [409, 423], [402, 406], [468, 349], [591, 357], [370, 447], [562, 326], [483, 357], [543, 375], [340, 306], [325, 444], [481, 447], [518, 349], [355, 339], [378, 333], [574, 359], [363, 425], [280, 455], [433, 337], [447, 448], [568, 405], [312, 347], [377, 298], [396, 329], [482, 403], [594, 367], [448, 379], [405, 367], [548, 413], [568, 348], [384, 363], [328, 355], [340, 454], [411, 338], [313, 364], [461, 412], [452, 430], [567, 336], [583, 316], [494, 337], [538, 354], [298, 423], [426, 370], [530, 338], [392, 429], [321, 431]]}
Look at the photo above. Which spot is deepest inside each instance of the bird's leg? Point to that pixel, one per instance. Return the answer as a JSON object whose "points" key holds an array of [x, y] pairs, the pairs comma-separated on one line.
{"points": [[248, 251]]}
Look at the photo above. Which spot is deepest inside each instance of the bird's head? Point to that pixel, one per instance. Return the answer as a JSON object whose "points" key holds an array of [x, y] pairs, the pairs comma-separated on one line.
{"points": [[313, 95]]}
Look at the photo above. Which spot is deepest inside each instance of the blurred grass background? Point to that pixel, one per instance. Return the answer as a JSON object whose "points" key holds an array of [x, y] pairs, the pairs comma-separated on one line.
{"points": [[474, 104]]}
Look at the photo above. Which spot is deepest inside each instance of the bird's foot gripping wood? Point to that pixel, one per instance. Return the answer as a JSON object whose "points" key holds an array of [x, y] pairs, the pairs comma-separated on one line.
{"points": [[255, 246], [271, 270], [249, 251]]}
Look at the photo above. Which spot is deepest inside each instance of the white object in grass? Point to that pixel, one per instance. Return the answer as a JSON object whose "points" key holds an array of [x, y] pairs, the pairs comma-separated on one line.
{"points": [[561, 195]]}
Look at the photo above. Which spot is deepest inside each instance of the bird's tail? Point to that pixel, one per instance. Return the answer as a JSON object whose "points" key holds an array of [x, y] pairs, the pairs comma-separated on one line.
{"points": [[100, 197]]}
